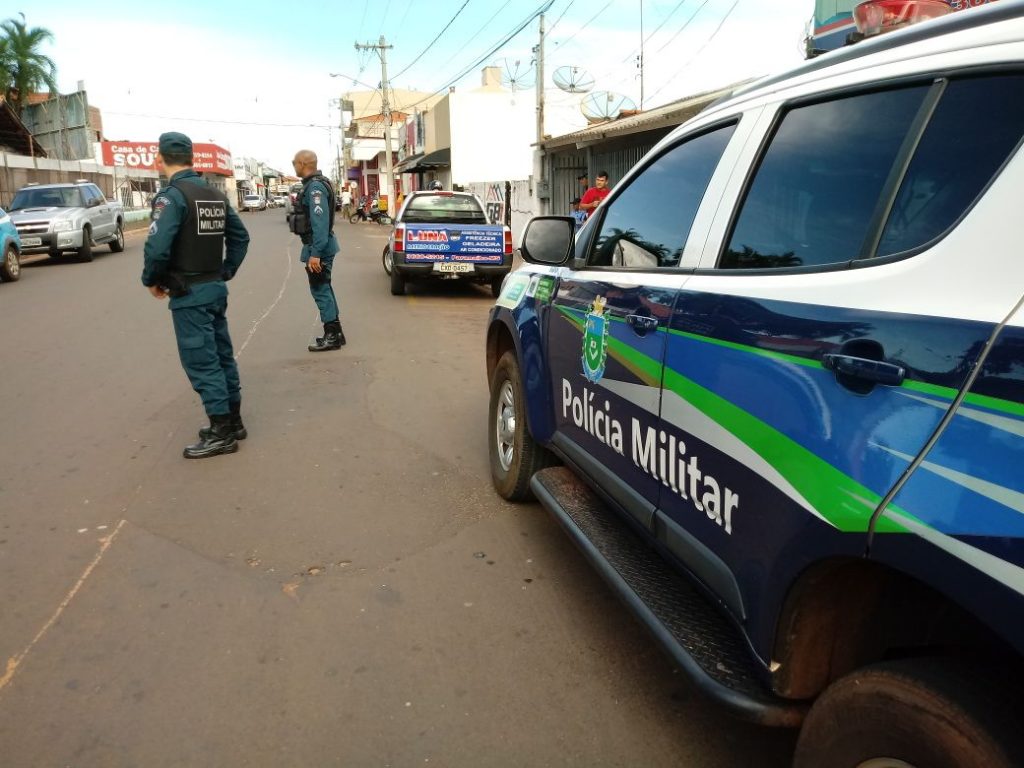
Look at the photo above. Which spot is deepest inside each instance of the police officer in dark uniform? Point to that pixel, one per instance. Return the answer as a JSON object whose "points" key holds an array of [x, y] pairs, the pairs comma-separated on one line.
{"points": [[191, 224], [313, 221]]}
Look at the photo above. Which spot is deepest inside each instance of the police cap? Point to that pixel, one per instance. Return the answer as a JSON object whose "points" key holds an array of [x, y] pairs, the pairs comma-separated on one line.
{"points": [[174, 143]]}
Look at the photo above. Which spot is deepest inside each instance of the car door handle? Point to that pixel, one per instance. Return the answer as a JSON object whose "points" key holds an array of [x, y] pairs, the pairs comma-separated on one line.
{"points": [[876, 371], [642, 323]]}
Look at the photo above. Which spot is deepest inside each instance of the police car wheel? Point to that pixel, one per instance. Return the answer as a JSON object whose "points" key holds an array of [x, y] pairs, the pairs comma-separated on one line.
{"points": [[921, 713], [386, 258], [85, 251], [117, 244], [10, 269], [514, 455]]}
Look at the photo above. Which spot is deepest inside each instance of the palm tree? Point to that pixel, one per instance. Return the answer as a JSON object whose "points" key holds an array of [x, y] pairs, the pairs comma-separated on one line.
{"points": [[23, 69]]}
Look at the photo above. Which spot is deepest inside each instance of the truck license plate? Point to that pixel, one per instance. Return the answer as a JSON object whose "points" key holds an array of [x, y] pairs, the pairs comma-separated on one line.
{"points": [[28, 242], [447, 267]]}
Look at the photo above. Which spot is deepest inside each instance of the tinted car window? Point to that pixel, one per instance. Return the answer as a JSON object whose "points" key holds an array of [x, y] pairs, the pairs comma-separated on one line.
{"points": [[423, 209], [975, 127], [647, 224], [812, 198], [60, 197]]}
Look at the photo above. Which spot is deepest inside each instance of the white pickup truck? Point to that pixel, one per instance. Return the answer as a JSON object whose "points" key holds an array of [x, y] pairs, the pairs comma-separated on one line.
{"points": [[55, 218]]}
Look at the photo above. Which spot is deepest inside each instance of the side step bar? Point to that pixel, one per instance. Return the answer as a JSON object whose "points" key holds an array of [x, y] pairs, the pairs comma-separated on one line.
{"points": [[708, 649]]}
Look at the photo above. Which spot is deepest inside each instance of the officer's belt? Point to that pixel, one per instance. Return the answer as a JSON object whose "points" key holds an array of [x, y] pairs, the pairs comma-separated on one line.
{"points": [[201, 277]]}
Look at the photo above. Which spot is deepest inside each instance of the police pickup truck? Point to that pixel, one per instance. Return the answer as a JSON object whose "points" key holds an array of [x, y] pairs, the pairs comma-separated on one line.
{"points": [[774, 392], [54, 218], [442, 235]]}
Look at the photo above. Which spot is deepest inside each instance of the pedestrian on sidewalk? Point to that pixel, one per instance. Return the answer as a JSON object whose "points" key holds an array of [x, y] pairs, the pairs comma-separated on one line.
{"points": [[191, 225], [595, 195], [313, 222], [346, 202]]}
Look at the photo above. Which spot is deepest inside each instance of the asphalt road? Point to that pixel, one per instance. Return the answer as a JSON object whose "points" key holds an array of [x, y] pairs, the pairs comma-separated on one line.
{"points": [[344, 590]]}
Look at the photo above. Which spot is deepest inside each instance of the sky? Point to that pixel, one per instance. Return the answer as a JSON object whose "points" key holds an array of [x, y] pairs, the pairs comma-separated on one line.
{"points": [[256, 77]]}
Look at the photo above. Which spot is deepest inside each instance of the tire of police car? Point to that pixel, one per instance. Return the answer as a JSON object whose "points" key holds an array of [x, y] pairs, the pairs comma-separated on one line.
{"points": [[10, 268], [528, 457], [117, 244], [397, 283], [925, 713], [84, 251]]}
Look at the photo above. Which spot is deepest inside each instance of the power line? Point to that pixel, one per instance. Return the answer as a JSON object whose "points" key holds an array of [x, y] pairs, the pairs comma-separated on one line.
{"points": [[685, 25], [224, 122], [564, 11], [488, 22], [431, 43], [362, 19], [407, 7], [542, 9], [384, 18], [697, 53], [570, 37], [647, 39]]}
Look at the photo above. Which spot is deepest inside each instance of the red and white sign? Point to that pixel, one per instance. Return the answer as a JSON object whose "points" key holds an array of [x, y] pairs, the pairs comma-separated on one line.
{"points": [[141, 155]]}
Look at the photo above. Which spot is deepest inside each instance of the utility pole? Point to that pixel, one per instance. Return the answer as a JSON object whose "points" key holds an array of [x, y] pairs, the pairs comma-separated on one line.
{"points": [[381, 47], [641, 54], [540, 83]]}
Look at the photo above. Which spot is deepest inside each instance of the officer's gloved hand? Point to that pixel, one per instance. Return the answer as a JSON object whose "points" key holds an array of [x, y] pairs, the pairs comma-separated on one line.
{"points": [[226, 275]]}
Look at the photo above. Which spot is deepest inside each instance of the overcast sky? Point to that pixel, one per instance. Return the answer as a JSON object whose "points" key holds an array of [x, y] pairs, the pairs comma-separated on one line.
{"points": [[255, 77]]}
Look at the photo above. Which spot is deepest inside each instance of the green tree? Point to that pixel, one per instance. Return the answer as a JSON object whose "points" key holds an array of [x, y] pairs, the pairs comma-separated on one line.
{"points": [[23, 68]]}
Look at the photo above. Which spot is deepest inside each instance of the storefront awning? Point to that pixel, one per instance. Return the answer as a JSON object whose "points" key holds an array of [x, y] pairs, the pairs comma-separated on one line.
{"points": [[408, 162], [441, 158], [366, 152]]}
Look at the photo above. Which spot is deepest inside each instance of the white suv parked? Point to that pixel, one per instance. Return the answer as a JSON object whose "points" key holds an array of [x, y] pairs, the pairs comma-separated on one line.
{"points": [[782, 368], [55, 218]]}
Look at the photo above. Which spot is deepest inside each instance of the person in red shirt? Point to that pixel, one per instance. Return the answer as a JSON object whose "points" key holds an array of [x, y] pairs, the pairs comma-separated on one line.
{"points": [[593, 196]]}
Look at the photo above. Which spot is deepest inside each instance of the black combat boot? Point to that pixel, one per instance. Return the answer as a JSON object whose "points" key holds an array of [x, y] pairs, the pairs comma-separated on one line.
{"points": [[221, 439], [236, 424], [333, 338]]}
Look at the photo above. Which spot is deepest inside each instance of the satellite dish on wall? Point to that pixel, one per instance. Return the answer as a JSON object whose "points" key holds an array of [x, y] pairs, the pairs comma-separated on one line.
{"points": [[573, 79], [517, 74], [605, 105]]}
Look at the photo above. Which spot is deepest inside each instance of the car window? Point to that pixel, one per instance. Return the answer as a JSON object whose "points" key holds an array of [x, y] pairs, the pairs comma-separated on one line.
{"points": [[647, 223], [59, 197], [423, 209], [974, 128], [814, 193]]}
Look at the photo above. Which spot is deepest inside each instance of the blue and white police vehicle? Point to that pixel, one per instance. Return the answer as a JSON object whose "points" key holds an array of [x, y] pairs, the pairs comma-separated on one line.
{"points": [[10, 249], [774, 391]]}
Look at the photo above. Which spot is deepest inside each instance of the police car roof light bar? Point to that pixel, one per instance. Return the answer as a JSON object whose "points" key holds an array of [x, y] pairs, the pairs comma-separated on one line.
{"points": [[873, 17]]}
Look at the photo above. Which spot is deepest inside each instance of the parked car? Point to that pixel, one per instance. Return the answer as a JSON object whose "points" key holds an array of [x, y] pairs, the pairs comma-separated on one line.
{"points": [[280, 201], [446, 236], [54, 218], [254, 203], [774, 390], [10, 249]]}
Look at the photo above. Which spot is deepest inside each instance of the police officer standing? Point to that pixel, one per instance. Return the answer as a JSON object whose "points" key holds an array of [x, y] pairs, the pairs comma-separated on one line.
{"points": [[313, 221], [191, 224]]}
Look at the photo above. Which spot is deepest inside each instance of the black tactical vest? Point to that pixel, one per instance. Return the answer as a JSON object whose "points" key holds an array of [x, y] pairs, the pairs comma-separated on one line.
{"points": [[199, 245], [301, 223]]}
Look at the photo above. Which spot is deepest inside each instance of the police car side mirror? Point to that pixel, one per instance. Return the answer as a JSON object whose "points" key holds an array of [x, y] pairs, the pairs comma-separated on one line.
{"points": [[548, 240]]}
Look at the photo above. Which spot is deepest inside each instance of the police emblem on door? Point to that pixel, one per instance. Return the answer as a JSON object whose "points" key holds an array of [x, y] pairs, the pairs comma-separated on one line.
{"points": [[595, 341]]}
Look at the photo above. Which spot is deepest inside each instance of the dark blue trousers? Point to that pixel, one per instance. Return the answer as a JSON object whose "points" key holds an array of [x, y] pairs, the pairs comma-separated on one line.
{"points": [[207, 356], [322, 292]]}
